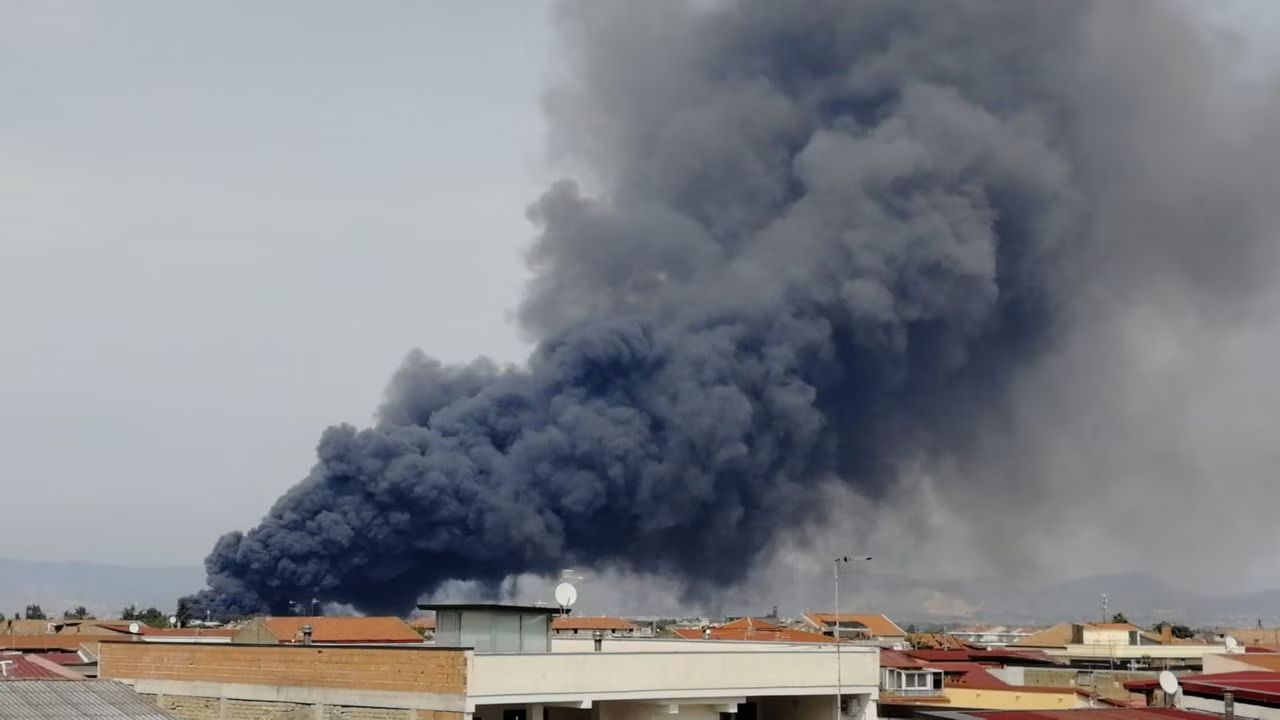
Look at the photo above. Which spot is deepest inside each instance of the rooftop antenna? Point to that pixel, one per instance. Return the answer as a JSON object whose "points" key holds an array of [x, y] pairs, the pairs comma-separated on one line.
{"points": [[1102, 605], [566, 596]]}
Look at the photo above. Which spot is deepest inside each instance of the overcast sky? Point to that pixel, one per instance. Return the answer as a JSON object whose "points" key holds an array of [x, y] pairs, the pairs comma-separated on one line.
{"points": [[224, 224]]}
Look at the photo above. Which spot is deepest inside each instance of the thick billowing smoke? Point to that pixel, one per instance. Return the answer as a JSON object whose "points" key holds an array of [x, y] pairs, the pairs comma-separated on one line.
{"points": [[822, 241]]}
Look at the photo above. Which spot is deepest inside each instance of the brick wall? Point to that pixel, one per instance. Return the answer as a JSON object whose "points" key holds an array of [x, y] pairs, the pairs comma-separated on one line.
{"points": [[194, 708], [423, 670]]}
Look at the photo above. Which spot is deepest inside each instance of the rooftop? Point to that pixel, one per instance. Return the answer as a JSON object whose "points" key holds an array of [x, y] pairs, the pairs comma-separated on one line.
{"points": [[344, 630], [56, 700], [751, 629], [591, 623], [1113, 713], [1251, 685], [16, 666], [876, 625]]}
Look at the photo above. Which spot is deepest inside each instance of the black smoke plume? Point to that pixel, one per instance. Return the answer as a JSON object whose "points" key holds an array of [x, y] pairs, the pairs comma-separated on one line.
{"points": [[819, 235]]}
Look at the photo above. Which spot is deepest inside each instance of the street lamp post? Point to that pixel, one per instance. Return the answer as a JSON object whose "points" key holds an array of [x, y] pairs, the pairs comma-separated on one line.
{"points": [[842, 560]]}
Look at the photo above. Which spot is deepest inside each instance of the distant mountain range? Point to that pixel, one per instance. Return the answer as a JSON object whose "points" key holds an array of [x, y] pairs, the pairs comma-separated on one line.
{"points": [[105, 589], [1142, 598]]}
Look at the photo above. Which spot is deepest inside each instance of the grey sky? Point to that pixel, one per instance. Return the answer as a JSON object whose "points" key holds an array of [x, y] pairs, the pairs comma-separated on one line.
{"points": [[224, 224]]}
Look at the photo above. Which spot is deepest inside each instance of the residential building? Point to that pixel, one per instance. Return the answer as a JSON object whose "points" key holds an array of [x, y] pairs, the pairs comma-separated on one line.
{"points": [[991, 635], [1241, 662], [570, 626], [912, 685], [326, 630], [870, 628], [1120, 646], [750, 630], [1258, 637], [499, 663]]}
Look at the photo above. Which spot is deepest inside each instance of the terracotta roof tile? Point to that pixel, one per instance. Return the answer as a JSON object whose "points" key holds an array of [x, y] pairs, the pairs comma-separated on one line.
{"points": [[591, 623], [352, 630], [876, 625]]}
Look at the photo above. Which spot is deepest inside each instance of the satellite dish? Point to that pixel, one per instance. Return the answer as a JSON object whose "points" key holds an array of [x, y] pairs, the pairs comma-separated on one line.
{"points": [[1169, 683], [134, 629], [173, 621], [566, 595]]}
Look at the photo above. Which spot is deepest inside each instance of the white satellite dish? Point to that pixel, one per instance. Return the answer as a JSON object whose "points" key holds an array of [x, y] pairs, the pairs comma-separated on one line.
{"points": [[1231, 643], [173, 621], [566, 595], [134, 629], [1169, 683]]}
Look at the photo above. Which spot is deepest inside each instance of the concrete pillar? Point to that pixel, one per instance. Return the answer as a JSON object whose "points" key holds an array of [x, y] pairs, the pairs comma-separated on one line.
{"points": [[534, 712], [222, 708]]}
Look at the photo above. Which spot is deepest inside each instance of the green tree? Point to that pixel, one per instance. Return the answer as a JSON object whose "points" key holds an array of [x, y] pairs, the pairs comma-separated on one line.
{"points": [[1119, 618], [129, 613], [80, 613], [153, 617], [184, 613], [35, 613]]}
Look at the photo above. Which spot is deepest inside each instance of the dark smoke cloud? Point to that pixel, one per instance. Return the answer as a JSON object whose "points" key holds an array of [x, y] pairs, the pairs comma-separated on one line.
{"points": [[823, 241]]}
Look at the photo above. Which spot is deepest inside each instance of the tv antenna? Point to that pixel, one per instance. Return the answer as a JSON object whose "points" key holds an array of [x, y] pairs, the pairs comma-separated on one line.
{"points": [[566, 596]]}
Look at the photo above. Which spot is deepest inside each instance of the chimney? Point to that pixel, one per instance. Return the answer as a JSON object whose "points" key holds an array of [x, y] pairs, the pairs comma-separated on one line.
{"points": [[597, 640], [1166, 633], [306, 634]]}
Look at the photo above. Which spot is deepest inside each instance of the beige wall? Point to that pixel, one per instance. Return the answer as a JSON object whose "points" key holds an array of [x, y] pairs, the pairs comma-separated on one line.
{"points": [[255, 633], [1012, 699], [1225, 664], [742, 670], [1092, 636]]}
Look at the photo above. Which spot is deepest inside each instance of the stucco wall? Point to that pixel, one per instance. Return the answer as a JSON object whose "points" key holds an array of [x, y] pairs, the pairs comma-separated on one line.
{"points": [[1011, 700]]}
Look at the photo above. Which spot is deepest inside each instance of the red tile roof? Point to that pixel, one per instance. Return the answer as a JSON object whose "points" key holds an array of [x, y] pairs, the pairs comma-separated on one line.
{"points": [[423, 623], [16, 666], [750, 629], [67, 643], [565, 622], [876, 625], [353, 630], [62, 658], [895, 659], [993, 656], [1257, 685]]}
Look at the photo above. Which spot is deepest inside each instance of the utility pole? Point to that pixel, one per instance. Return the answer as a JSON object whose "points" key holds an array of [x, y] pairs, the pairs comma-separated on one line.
{"points": [[842, 560]]}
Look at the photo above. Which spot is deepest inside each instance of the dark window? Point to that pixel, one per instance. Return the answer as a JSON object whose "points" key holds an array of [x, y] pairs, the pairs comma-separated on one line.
{"points": [[514, 714]]}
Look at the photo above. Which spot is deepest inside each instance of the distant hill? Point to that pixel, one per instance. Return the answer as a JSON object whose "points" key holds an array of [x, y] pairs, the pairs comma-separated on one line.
{"points": [[103, 589], [1142, 598]]}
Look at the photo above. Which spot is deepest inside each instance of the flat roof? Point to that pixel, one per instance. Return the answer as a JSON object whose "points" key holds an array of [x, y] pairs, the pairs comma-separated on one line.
{"points": [[543, 609]]}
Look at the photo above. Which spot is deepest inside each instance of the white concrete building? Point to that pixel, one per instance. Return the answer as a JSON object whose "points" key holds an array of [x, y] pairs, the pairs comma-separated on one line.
{"points": [[520, 674]]}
